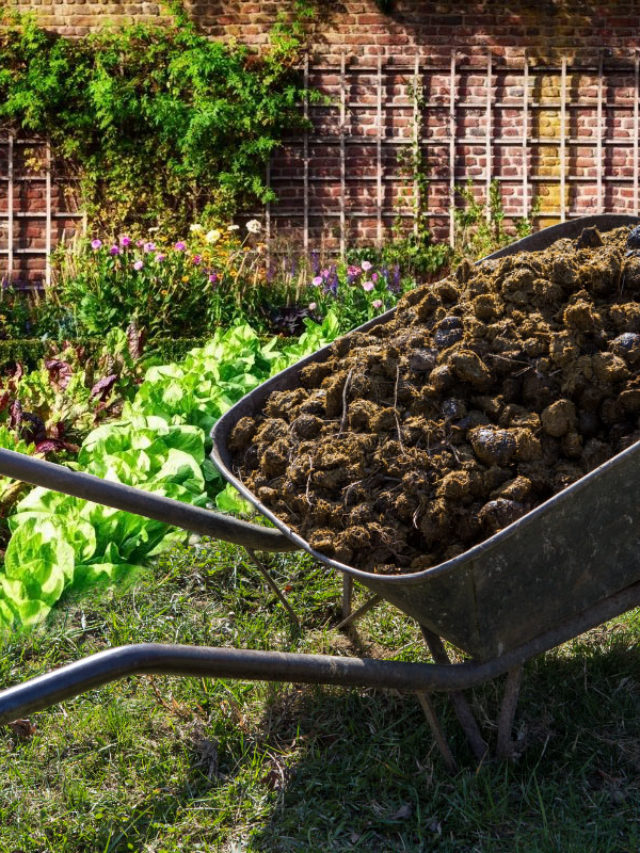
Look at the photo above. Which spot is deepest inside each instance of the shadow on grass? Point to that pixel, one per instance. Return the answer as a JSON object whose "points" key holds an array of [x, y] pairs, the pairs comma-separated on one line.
{"points": [[189, 764], [328, 769], [359, 770]]}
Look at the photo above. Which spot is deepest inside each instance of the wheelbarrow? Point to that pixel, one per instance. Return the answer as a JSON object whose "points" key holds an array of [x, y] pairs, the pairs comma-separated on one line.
{"points": [[565, 567]]}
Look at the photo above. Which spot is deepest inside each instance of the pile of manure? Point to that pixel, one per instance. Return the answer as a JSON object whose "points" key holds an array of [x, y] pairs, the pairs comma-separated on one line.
{"points": [[485, 394]]}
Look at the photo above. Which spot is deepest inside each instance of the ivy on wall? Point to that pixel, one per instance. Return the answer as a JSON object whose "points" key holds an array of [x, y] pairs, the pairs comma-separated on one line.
{"points": [[161, 124]]}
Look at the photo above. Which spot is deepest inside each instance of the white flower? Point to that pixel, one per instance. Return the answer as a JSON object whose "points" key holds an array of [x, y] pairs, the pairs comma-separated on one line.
{"points": [[253, 226], [213, 236], [233, 228], [196, 228]]}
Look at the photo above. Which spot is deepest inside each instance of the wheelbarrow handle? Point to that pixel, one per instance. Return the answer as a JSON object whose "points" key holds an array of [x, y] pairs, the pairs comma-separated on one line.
{"points": [[19, 466]]}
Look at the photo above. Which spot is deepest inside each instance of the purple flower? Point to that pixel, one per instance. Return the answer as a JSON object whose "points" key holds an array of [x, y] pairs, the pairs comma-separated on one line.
{"points": [[367, 285], [352, 274], [149, 247], [331, 284], [317, 281], [138, 265], [160, 257], [125, 241], [114, 250], [197, 260], [374, 277], [315, 261], [394, 284], [377, 303], [325, 273], [213, 278], [366, 266], [180, 246], [96, 244]]}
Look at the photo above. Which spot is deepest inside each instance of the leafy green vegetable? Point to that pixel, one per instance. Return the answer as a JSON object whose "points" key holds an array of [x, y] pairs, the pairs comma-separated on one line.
{"points": [[230, 500], [60, 542]]}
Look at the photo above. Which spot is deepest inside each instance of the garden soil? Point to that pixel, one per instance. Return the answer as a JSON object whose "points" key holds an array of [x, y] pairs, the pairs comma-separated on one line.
{"points": [[486, 393]]}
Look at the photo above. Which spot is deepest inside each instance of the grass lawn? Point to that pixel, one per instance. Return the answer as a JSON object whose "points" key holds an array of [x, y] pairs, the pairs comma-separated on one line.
{"points": [[166, 764]]}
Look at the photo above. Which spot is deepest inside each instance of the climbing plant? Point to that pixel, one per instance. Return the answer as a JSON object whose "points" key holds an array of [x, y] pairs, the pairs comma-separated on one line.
{"points": [[161, 124]]}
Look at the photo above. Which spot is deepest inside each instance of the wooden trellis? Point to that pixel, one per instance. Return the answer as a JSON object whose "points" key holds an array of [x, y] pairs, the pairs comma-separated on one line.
{"points": [[562, 151], [29, 229], [384, 204]]}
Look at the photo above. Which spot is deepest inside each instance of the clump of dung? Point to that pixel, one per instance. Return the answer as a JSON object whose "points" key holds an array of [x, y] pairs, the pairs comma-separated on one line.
{"points": [[485, 394]]}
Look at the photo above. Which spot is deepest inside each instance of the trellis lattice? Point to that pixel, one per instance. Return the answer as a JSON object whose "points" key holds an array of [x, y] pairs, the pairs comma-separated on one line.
{"points": [[561, 141]]}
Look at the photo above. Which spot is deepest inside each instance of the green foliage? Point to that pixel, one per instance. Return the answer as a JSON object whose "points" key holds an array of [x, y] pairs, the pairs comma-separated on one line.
{"points": [[67, 393], [411, 259], [160, 123], [16, 312], [212, 378], [29, 352], [480, 228], [62, 543], [25, 351], [183, 288], [223, 277], [9, 489]]}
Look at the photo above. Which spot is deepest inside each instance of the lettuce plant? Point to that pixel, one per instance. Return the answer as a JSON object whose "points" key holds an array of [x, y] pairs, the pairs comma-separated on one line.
{"points": [[62, 543]]}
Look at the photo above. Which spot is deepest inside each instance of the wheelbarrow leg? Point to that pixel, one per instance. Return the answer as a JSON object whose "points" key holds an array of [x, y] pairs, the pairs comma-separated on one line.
{"points": [[505, 746], [347, 595], [436, 729], [461, 707], [369, 604], [274, 586]]}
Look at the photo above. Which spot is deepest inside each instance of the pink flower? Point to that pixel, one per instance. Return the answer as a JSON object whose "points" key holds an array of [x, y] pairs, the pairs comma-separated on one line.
{"points": [[196, 259], [96, 244], [180, 246], [213, 278], [367, 285], [114, 250], [125, 241], [138, 265], [139, 243], [312, 306], [374, 276], [366, 266], [149, 247], [377, 303], [317, 281], [160, 257]]}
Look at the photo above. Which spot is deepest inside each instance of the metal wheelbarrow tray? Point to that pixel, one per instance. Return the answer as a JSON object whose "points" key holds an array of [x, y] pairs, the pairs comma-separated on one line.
{"points": [[568, 565]]}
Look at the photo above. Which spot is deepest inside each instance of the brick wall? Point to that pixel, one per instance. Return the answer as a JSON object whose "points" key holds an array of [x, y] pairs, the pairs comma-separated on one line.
{"points": [[349, 179], [358, 25]]}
